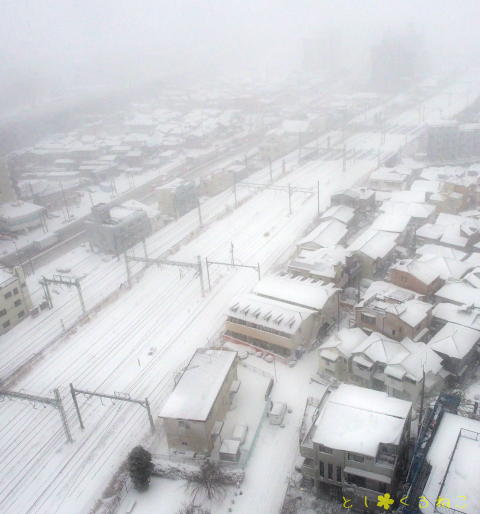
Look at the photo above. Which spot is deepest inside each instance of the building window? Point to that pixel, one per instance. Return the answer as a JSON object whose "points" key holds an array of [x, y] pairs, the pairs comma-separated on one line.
{"points": [[356, 458], [3, 312], [339, 474], [330, 471], [368, 320], [322, 469], [354, 479], [15, 290], [21, 314], [17, 303], [7, 295], [6, 324], [324, 449]]}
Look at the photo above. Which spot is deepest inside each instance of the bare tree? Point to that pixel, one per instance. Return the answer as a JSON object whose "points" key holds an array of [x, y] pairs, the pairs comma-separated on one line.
{"points": [[191, 508], [210, 479]]}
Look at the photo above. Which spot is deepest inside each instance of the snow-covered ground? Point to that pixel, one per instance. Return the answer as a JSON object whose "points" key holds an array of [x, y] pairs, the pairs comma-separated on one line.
{"points": [[135, 345]]}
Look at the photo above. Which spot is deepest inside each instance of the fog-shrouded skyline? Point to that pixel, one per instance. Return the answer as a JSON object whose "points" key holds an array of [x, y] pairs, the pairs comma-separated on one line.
{"points": [[49, 47]]}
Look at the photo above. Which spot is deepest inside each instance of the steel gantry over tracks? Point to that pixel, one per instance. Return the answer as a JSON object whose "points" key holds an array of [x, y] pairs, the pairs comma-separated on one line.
{"points": [[169, 262], [123, 397], [55, 402], [64, 281]]}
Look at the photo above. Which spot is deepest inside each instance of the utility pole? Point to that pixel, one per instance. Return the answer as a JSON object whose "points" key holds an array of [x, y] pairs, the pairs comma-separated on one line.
{"points": [[200, 273], [145, 248], [129, 278], [235, 188], [231, 253], [290, 199], [318, 197], [422, 399], [199, 212], [208, 274], [65, 200], [75, 403]]}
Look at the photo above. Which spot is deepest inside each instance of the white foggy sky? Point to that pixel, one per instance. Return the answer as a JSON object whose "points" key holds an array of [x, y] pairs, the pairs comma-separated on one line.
{"points": [[63, 43]]}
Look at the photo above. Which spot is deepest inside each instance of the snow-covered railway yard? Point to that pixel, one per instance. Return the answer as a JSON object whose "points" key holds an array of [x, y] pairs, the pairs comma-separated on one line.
{"points": [[136, 343]]}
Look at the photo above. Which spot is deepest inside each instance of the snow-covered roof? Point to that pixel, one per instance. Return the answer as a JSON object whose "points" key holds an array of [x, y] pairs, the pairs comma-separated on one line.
{"points": [[391, 222], [466, 315], [296, 291], [328, 233], [199, 385], [408, 196], [454, 457], [16, 210], [427, 186], [342, 213], [422, 271], [411, 312], [439, 250], [473, 278], [410, 209], [388, 291], [375, 244], [387, 175], [321, 262], [269, 313], [459, 292], [454, 340], [356, 419], [342, 342], [6, 277]]}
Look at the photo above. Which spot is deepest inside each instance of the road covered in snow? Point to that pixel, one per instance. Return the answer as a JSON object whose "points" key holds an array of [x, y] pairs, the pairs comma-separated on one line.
{"points": [[135, 344]]}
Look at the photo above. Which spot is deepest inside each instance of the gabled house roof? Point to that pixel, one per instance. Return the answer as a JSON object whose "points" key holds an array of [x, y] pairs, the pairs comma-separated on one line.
{"points": [[455, 341]]}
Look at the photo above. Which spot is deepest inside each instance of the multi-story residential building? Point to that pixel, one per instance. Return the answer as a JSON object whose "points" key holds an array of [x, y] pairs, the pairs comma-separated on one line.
{"points": [[356, 445], [394, 317], [21, 216], [442, 141], [176, 198], [375, 251], [114, 230], [457, 346], [402, 369], [336, 265], [272, 325], [15, 302], [329, 233], [426, 274], [284, 315], [200, 400], [361, 199]]}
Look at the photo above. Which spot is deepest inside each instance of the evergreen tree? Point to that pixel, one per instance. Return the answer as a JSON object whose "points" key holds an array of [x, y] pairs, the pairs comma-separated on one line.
{"points": [[140, 467]]}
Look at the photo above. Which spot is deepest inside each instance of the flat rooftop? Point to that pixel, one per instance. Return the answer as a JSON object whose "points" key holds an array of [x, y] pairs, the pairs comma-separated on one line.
{"points": [[356, 419], [199, 385]]}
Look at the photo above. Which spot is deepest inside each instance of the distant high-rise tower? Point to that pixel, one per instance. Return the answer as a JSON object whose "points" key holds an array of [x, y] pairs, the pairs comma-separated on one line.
{"points": [[7, 193], [395, 61]]}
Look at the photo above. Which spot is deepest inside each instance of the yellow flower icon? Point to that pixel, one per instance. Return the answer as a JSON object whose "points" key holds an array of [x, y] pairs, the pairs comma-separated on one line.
{"points": [[385, 501]]}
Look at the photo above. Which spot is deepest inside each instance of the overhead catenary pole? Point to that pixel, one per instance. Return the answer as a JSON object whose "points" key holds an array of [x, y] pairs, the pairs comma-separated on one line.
{"points": [[208, 274], [75, 403], [200, 274], [65, 200], [129, 278], [199, 212], [117, 396], [55, 402], [235, 189], [80, 295], [318, 197]]}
